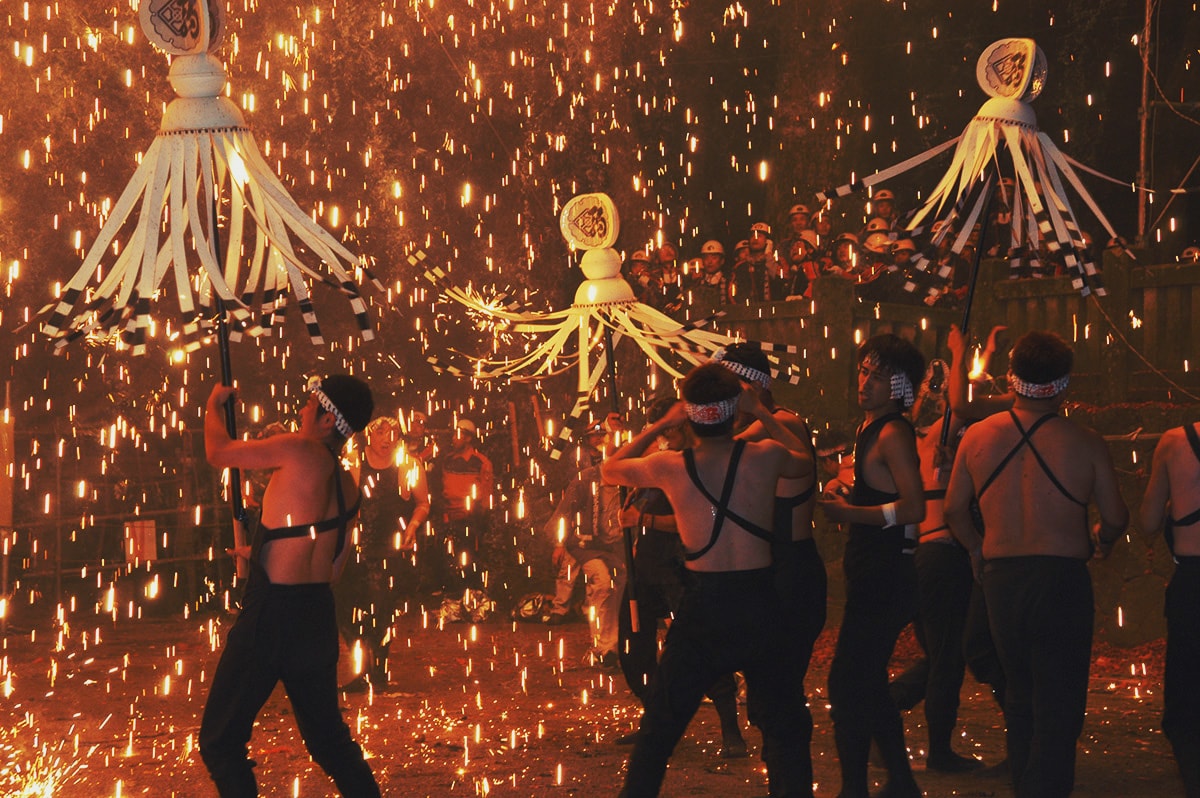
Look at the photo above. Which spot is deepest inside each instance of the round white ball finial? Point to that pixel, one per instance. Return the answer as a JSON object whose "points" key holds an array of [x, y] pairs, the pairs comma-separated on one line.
{"points": [[1013, 69], [197, 76], [600, 264]]}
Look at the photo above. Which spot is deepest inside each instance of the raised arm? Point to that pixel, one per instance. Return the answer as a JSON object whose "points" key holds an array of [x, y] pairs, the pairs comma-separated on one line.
{"points": [[958, 384], [627, 465], [223, 451]]}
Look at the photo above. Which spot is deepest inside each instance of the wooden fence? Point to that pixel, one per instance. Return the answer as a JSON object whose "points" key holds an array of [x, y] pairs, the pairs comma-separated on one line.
{"points": [[1137, 344]]}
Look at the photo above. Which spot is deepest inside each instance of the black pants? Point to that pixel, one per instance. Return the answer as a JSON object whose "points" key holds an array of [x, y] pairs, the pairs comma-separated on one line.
{"points": [[367, 599], [1041, 612], [284, 633], [801, 583], [453, 559], [637, 651], [978, 647], [880, 602], [727, 622], [944, 583], [1181, 687]]}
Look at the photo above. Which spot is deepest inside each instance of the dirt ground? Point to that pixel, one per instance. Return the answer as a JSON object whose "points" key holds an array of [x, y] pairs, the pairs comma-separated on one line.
{"points": [[496, 709]]}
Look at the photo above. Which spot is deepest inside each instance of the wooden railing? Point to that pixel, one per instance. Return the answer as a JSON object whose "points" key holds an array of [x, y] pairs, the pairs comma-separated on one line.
{"points": [[1135, 344]]}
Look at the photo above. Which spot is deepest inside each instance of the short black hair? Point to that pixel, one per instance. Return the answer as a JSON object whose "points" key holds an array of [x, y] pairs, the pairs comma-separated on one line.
{"points": [[748, 354], [352, 397], [707, 384], [659, 407], [895, 354], [1041, 357]]}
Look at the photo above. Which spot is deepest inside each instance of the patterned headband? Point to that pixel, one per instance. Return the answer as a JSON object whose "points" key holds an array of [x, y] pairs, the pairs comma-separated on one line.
{"points": [[1038, 390], [713, 412], [902, 387], [760, 378], [339, 421]]}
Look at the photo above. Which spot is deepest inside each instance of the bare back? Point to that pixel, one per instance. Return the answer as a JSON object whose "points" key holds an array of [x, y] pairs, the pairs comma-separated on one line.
{"points": [[1174, 491], [1025, 511], [752, 498], [301, 492]]}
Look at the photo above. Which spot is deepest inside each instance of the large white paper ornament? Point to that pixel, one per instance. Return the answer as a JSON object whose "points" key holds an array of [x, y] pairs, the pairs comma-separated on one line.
{"points": [[590, 221], [183, 27]]}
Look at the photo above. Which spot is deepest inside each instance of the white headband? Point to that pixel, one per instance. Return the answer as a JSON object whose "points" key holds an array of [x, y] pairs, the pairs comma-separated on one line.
{"points": [[1038, 390], [339, 421], [760, 378], [713, 412]]}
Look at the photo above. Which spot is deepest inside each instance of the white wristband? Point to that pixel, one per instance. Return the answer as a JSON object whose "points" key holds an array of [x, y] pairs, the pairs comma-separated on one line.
{"points": [[889, 514]]}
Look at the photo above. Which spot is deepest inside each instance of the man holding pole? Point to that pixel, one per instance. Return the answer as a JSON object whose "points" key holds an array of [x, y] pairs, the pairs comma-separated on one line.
{"points": [[287, 630]]}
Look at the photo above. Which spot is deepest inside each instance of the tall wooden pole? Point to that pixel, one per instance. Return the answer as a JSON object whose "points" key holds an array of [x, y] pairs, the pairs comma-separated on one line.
{"points": [[1143, 177]]}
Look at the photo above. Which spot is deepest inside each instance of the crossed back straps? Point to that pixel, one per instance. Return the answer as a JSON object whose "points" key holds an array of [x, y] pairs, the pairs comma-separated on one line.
{"points": [[721, 509]]}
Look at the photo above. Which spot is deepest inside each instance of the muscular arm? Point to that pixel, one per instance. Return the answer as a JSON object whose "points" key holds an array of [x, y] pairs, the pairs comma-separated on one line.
{"points": [[1158, 490], [799, 463], [1114, 515], [957, 506], [627, 465], [414, 476], [959, 381], [223, 451], [898, 450]]}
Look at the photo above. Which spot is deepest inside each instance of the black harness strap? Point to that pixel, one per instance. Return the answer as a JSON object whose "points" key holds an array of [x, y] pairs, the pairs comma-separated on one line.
{"points": [[339, 522], [1027, 440], [1194, 440], [721, 505]]}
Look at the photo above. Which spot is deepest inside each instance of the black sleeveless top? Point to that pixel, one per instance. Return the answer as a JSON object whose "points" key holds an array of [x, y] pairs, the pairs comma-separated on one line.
{"points": [[870, 545], [383, 510], [784, 505]]}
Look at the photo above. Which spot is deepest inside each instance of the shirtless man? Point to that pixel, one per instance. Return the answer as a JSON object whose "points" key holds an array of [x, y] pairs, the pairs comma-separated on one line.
{"points": [[1173, 490], [881, 579], [1034, 474], [723, 493], [287, 630], [800, 576]]}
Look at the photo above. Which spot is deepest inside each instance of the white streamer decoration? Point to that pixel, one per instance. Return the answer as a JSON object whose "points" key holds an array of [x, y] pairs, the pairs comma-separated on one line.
{"points": [[1013, 73], [603, 302], [203, 151]]}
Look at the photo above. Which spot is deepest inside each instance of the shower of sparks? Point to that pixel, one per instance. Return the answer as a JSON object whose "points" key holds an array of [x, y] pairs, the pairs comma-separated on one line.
{"points": [[457, 128]]}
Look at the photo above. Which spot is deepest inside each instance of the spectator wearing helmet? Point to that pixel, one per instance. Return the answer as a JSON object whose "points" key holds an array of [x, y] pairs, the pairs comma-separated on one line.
{"points": [[883, 206], [642, 278], [752, 274], [1190, 255], [846, 255], [667, 279], [709, 288], [799, 222]]}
